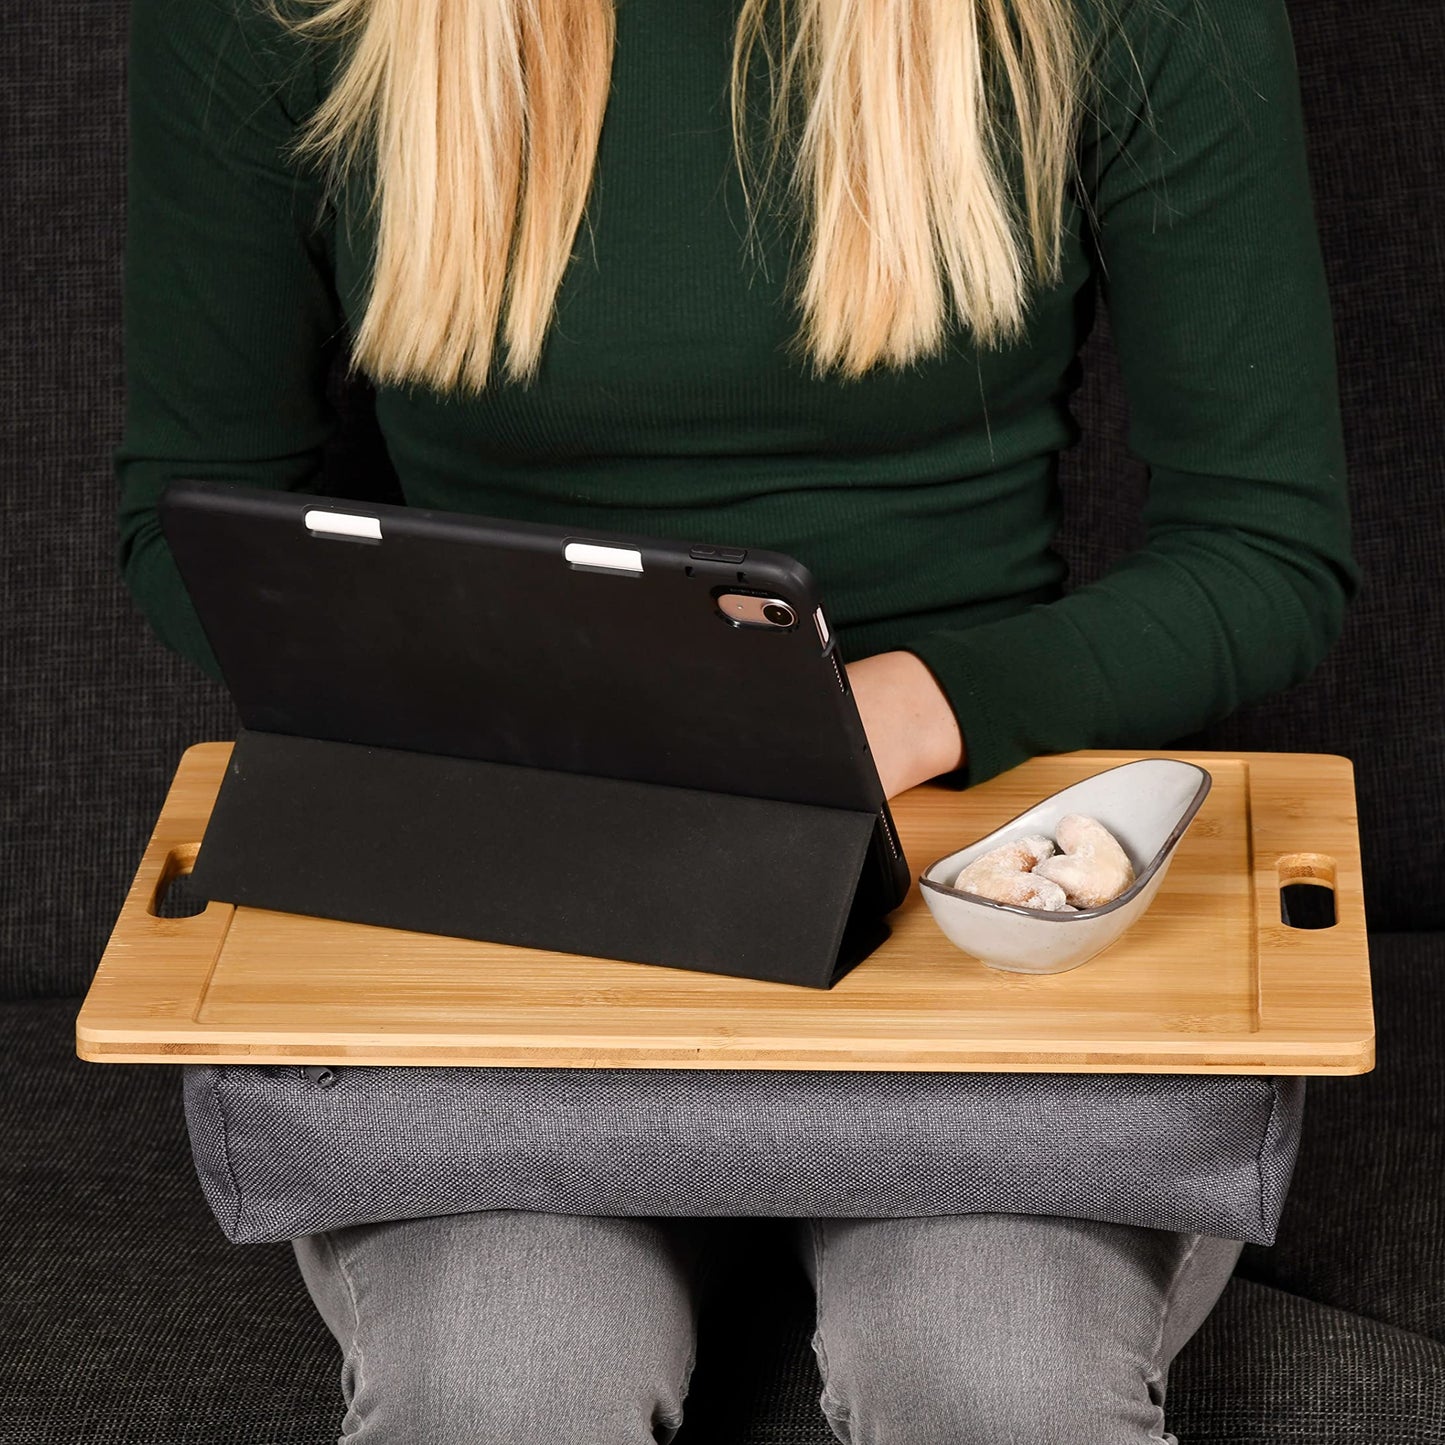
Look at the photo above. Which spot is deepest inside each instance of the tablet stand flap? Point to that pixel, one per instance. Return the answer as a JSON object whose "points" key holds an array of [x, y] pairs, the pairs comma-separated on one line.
{"points": [[603, 867]]}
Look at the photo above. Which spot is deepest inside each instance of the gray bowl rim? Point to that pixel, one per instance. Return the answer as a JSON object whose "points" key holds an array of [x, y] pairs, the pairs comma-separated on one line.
{"points": [[1127, 896]]}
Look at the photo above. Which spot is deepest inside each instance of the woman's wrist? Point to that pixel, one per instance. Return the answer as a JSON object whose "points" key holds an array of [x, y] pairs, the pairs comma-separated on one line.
{"points": [[911, 727]]}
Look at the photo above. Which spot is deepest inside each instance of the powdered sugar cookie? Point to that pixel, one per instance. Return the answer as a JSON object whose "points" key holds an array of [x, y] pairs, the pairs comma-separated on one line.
{"points": [[1092, 868], [1004, 875]]}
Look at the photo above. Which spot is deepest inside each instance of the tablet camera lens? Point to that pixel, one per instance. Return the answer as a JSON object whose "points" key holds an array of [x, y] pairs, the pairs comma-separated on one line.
{"points": [[779, 615]]}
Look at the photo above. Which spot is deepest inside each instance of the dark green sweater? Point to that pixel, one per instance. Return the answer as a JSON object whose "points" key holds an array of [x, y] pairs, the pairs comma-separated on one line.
{"points": [[924, 501]]}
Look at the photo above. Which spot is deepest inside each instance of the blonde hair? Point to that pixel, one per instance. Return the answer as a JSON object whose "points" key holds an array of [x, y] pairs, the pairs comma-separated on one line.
{"points": [[480, 119]]}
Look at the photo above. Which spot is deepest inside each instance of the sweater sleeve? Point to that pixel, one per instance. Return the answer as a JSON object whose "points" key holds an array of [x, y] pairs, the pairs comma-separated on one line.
{"points": [[230, 313], [1194, 169]]}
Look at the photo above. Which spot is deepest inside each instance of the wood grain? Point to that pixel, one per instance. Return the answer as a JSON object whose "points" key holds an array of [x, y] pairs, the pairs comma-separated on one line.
{"points": [[1208, 981]]}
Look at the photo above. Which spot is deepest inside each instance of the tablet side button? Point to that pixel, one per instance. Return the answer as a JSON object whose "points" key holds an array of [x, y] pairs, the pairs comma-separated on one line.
{"points": [[718, 554]]}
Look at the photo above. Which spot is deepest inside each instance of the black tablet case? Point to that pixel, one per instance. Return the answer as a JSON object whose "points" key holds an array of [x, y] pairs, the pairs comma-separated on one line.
{"points": [[598, 866], [421, 838]]}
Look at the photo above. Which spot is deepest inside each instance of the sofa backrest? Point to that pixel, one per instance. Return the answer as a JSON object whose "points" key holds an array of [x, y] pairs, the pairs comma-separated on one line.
{"points": [[96, 712], [1375, 112]]}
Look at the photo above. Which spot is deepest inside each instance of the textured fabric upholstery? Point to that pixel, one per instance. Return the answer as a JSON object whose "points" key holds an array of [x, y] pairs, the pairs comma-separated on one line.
{"points": [[283, 1150], [95, 715], [1375, 110], [127, 1315], [1364, 1222]]}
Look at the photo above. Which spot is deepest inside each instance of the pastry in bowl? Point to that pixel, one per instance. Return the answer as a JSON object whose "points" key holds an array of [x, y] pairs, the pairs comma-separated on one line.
{"points": [[1143, 808]]}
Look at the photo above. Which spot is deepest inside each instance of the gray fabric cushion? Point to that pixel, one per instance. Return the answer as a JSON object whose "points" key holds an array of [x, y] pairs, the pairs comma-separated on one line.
{"points": [[281, 1155]]}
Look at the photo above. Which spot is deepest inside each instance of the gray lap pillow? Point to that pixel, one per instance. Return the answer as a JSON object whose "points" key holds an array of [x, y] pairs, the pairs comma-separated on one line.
{"points": [[286, 1150]]}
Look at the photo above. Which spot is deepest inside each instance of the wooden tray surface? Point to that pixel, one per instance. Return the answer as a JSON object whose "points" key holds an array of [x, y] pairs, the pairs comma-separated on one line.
{"points": [[1208, 981]]}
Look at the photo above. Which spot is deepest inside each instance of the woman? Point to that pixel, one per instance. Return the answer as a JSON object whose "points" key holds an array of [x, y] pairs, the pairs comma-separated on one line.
{"points": [[872, 374]]}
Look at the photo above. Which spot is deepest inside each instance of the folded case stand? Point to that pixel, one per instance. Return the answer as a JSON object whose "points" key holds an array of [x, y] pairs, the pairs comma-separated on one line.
{"points": [[603, 867]]}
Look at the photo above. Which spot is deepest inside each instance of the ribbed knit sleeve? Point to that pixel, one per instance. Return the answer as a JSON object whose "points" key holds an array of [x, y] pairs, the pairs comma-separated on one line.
{"points": [[1194, 166], [230, 311]]}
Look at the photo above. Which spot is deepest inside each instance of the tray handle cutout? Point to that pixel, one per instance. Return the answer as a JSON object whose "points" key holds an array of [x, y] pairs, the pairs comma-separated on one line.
{"points": [[172, 897], [1307, 890]]}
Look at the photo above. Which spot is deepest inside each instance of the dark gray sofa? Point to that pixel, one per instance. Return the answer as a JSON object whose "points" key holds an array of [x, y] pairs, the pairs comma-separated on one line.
{"points": [[124, 1314]]}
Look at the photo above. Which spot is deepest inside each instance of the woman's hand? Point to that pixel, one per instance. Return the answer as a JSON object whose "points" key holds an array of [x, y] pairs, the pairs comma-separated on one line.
{"points": [[911, 728]]}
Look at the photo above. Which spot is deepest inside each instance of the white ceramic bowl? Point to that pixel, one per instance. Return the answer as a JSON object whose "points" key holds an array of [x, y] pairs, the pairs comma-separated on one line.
{"points": [[1146, 805]]}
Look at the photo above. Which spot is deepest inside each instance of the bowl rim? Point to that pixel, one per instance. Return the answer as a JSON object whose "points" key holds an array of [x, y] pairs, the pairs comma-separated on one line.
{"points": [[1127, 896]]}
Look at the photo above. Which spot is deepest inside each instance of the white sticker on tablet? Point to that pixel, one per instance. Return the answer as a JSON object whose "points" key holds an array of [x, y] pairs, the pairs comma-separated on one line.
{"points": [[594, 554], [344, 524]]}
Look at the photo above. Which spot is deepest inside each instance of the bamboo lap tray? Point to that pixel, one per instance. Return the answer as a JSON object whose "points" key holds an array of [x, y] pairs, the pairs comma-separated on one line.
{"points": [[1208, 981]]}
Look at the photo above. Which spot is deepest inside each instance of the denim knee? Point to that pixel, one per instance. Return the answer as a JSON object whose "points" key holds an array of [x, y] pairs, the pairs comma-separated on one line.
{"points": [[917, 1390], [506, 1329], [403, 1398]]}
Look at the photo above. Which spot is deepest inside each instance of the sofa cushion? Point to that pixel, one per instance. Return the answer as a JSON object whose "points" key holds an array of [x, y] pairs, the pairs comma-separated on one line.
{"points": [[128, 1317], [1363, 1226], [1374, 102], [1268, 1367]]}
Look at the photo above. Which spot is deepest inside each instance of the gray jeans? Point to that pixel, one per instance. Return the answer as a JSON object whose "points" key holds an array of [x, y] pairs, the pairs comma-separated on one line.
{"points": [[509, 1327]]}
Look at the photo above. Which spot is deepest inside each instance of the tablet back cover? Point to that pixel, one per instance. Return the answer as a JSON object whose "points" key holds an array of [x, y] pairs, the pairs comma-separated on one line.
{"points": [[474, 637]]}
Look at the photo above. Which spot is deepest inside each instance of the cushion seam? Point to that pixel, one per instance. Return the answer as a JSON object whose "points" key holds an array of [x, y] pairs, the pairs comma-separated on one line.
{"points": [[1264, 1141], [226, 1152]]}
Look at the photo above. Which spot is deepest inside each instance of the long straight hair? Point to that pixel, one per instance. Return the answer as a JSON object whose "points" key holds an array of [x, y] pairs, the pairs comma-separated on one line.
{"points": [[479, 122]]}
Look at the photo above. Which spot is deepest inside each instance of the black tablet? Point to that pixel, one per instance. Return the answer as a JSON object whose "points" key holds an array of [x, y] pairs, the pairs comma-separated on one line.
{"points": [[605, 653]]}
